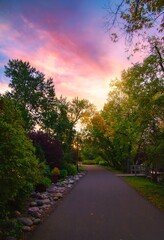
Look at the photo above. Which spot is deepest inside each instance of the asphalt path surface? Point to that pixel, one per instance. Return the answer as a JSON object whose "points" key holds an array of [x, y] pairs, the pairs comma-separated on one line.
{"points": [[102, 207]]}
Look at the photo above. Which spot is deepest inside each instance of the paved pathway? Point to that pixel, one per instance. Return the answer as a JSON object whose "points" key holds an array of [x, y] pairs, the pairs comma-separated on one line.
{"points": [[102, 207]]}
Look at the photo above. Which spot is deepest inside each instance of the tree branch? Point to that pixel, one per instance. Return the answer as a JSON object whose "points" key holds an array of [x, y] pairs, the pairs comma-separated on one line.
{"points": [[160, 57]]}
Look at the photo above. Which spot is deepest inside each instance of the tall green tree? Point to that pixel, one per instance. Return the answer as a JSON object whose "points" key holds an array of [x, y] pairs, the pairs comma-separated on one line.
{"points": [[32, 92]]}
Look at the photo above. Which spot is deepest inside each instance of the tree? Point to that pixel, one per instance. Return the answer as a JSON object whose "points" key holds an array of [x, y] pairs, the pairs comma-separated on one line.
{"points": [[33, 94], [134, 109], [78, 109], [19, 168], [97, 140], [65, 127], [130, 125]]}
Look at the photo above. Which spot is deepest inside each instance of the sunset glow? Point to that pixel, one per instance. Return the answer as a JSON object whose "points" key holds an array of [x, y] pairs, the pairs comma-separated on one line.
{"points": [[65, 40]]}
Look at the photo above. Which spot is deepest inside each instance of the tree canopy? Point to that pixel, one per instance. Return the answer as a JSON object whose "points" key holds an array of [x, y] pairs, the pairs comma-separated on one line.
{"points": [[130, 125], [34, 94]]}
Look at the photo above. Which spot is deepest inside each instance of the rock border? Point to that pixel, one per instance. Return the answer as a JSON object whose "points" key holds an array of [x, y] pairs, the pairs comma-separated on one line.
{"points": [[41, 204]]}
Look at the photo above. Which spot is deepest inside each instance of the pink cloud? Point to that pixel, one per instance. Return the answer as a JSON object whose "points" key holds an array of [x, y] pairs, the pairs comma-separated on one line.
{"points": [[81, 62]]}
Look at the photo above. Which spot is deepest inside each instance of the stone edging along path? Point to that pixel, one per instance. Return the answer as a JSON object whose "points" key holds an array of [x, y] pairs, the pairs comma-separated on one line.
{"points": [[41, 204]]}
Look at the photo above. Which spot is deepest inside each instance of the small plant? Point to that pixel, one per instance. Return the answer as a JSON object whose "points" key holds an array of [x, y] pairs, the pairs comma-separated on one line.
{"points": [[63, 173], [55, 174], [43, 184], [10, 228], [81, 168], [55, 171]]}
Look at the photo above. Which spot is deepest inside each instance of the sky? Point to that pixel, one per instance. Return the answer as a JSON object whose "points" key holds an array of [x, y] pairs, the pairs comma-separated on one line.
{"points": [[66, 40]]}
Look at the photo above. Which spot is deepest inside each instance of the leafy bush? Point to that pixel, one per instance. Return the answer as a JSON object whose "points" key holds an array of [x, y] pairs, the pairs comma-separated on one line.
{"points": [[10, 228], [55, 171], [89, 162], [19, 168], [51, 148], [46, 171], [71, 169], [43, 184], [99, 160], [63, 173]]}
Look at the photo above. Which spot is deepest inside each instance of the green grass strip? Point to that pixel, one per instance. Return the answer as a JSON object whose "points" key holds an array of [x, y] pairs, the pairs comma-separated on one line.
{"points": [[150, 190]]}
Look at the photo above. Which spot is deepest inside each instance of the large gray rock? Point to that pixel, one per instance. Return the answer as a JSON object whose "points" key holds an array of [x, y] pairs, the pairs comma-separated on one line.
{"points": [[26, 221], [36, 221]]}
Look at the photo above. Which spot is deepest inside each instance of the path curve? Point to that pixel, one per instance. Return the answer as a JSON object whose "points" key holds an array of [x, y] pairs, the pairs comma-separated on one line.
{"points": [[102, 207]]}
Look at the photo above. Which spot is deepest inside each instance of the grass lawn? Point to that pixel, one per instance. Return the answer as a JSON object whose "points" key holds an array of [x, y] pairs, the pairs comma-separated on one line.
{"points": [[151, 191]]}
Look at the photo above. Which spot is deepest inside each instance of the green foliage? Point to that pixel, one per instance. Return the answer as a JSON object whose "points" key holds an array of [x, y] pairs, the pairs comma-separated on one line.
{"points": [[81, 168], [88, 151], [33, 94], [89, 162], [78, 109], [100, 161], [46, 182], [35, 98], [46, 171], [10, 228], [63, 173], [39, 152], [71, 169], [43, 184], [129, 130], [19, 168], [64, 129]]}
